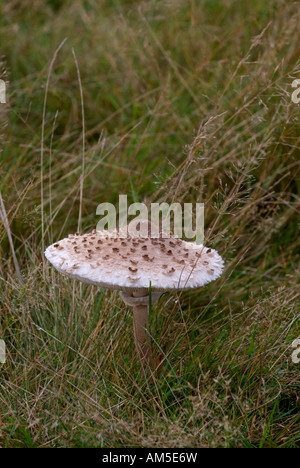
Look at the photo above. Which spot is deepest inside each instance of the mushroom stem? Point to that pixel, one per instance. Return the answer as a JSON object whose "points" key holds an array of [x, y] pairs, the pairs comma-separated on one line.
{"points": [[140, 325], [139, 301]]}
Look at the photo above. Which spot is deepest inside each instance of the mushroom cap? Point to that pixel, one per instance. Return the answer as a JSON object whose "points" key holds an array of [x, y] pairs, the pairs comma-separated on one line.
{"points": [[118, 260]]}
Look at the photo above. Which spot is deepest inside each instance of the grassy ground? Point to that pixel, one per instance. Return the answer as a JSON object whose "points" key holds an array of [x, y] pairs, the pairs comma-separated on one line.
{"points": [[184, 101]]}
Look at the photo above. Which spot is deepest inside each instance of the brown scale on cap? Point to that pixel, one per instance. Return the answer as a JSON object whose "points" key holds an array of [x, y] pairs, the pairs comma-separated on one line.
{"points": [[134, 262], [181, 262], [133, 280], [147, 258], [169, 272], [133, 270]]}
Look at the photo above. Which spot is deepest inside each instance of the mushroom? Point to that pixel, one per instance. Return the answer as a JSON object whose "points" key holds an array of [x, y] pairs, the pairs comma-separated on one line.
{"points": [[135, 264]]}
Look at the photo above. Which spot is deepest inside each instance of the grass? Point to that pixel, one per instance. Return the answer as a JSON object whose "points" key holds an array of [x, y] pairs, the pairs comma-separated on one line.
{"points": [[183, 101]]}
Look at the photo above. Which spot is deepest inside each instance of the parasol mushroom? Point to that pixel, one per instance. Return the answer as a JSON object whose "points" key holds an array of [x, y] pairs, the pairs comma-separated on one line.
{"points": [[134, 262]]}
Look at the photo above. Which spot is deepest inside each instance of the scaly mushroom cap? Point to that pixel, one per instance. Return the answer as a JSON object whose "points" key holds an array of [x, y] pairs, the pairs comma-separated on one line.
{"points": [[114, 260]]}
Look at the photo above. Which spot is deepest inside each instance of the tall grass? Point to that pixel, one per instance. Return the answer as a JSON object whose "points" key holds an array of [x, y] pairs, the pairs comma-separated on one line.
{"points": [[183, 101]]}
